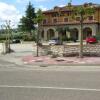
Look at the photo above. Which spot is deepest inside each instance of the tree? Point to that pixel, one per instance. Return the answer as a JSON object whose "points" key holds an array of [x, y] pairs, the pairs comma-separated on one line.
{"points": [[26, 22], [83, 12], [61, 30], [39, 18], [7, 29]]}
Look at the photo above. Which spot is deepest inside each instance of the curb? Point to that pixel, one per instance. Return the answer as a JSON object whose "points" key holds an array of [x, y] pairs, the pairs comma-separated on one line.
{"points": [[45, 65]]}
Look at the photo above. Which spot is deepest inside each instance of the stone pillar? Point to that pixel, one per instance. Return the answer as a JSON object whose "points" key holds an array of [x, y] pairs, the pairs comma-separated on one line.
{"points": [[94, 30], [56, 34], [68, 34]]}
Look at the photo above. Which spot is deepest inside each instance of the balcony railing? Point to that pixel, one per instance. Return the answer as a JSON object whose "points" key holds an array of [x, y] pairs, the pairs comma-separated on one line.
{"points": [[69, 22]]}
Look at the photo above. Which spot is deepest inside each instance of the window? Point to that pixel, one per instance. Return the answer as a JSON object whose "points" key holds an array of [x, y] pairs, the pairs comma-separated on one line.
{"points": [[90, 18], [65, 19], [76, 13], [62, 14], [55, 20], [55, 15], [77, 18], [69, 13]]}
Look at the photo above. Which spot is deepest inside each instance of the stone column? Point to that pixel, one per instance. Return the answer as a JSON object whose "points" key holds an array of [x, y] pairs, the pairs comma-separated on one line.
{"points": [[56, 34], [68, 34], [94, 30]]}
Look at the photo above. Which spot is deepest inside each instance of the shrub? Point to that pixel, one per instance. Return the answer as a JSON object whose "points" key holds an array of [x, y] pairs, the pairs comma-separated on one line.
{"points": [[71, 39], [54, 55], [64, 38], [17, 37], [28, 38], [49, 52], [97, 37], [2, 37]]}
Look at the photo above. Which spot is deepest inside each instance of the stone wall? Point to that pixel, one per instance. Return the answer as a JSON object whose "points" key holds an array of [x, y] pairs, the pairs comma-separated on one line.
{"points": [[71, 50]]}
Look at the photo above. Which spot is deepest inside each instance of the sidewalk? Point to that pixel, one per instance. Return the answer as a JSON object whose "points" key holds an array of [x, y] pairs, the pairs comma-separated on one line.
{"points": [[46, 63], [47, 60]]}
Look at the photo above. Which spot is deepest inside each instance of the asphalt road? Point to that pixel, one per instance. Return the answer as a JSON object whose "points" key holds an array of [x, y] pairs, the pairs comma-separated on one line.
{"points": [[25, 84]]}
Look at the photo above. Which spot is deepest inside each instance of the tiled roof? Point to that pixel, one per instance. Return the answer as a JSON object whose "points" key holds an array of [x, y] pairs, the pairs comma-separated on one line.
{"points": [[65, 8]]}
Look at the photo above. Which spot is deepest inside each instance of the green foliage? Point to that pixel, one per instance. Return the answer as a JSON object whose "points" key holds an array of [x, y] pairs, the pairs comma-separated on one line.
{"points": [[26, 37], [64, 38], [13, 35], [39, 17], [82, 11], [26, 22], [17, 37], [97, 36], [59, 29], [54, 55], [2, 37], [62, 29]]}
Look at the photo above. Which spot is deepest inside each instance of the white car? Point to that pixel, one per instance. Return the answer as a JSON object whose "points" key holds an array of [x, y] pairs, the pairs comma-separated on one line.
{"points": [[55, 42]]}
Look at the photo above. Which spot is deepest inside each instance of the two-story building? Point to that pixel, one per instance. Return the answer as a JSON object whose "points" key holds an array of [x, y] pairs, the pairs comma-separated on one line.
{"points": [[61, 17]]}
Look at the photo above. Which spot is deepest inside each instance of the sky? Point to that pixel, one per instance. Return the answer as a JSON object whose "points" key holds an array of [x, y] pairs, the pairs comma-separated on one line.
{"points": [[14, 9]]}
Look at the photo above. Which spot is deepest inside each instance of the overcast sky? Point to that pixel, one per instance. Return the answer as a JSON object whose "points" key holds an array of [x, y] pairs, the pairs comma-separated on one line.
{"points": [[14, 9]]}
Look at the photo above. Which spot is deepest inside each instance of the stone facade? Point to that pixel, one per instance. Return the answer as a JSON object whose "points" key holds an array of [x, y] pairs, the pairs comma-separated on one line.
{"points": [[92, 27], [61, 17]]}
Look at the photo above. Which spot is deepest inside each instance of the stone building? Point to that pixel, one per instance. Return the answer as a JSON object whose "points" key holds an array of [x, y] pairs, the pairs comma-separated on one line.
{"points": [[61, 17]]}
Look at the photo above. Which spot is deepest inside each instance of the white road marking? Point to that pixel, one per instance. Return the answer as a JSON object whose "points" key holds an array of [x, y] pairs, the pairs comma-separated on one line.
{"points": [[47, 69], [53, 88]]}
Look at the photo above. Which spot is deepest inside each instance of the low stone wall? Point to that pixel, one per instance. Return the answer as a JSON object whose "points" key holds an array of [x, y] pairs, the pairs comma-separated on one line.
{"points": [[57, 49], [2, 48], [70, 50], [89, 49]]}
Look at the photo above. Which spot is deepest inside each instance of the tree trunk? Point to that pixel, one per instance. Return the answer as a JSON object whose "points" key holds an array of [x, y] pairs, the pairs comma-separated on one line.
{"points": [[81, 38], [37, 40]]}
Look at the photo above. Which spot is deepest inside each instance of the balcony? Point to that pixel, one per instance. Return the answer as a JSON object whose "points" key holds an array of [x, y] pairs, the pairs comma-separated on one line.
{"points": [[67, 23]]}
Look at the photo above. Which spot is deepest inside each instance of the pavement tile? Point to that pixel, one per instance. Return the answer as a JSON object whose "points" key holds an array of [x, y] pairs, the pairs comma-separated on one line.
{"points": [[60, 60]]}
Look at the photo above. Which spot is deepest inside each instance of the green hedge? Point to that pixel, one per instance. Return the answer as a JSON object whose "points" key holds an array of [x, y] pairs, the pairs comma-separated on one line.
{"points": [[29, 38], [2, 37], [97, 37]]}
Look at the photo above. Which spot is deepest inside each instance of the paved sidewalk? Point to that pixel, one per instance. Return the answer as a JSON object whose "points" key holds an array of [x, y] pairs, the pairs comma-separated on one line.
{"points": [[47, 63], [47, 60]]}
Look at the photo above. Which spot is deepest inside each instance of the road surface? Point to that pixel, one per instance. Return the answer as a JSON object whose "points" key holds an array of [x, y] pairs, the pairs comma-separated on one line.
{"points": [[20, 83]]}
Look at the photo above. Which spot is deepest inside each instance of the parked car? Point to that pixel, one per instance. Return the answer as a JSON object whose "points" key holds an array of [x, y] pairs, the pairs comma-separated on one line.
{"points": [[91, 40], [16, 41], [55, 41]]}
